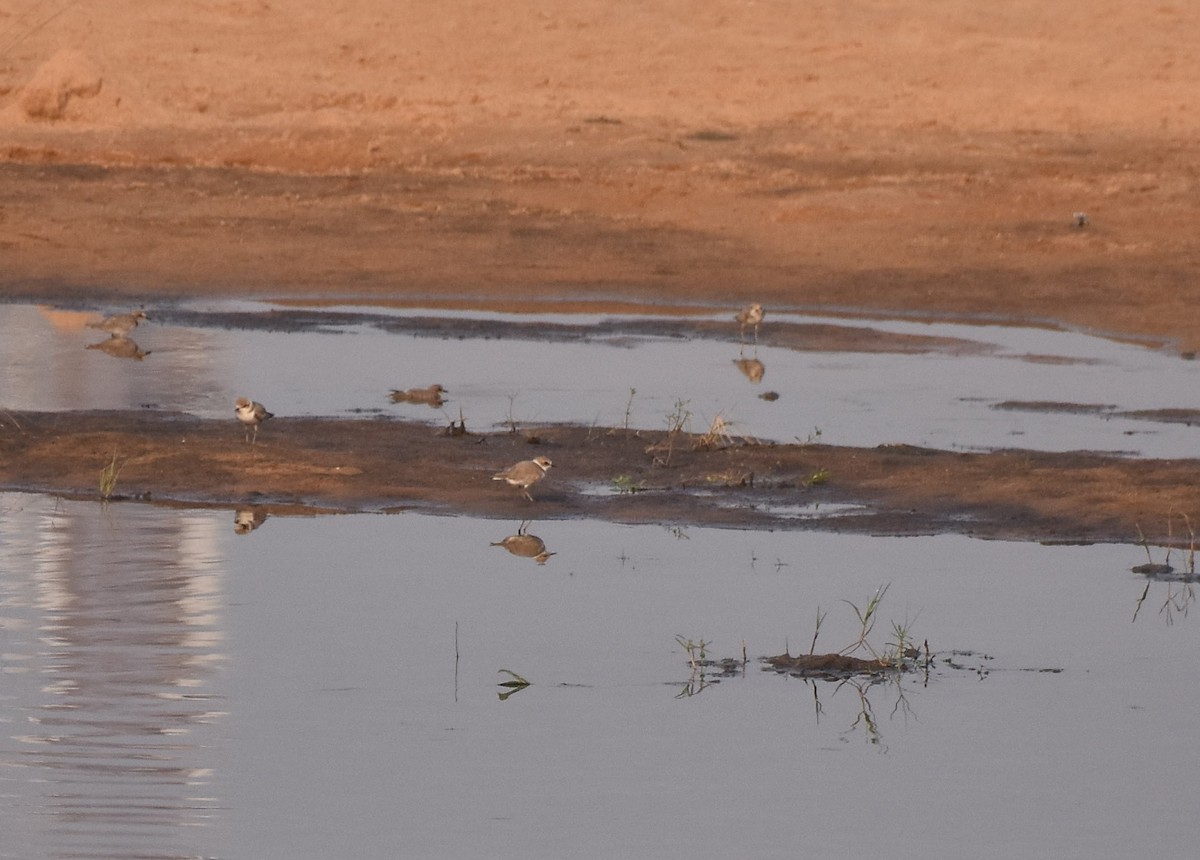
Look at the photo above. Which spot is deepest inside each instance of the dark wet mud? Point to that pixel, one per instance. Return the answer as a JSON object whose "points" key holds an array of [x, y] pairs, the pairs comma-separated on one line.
{"points": [[345, 465], [1186, 417]]}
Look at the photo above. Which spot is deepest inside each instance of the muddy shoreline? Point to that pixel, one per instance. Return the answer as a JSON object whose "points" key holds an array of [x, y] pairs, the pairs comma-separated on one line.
{"points": [[992, 164], [325, 465], [949, 229]]}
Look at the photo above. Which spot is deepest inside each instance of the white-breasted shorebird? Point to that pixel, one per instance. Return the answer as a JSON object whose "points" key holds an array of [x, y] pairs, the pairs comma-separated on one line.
{"points": [[751, 315], [121, 324], [246, 520], [525, 474], [251, 414]]}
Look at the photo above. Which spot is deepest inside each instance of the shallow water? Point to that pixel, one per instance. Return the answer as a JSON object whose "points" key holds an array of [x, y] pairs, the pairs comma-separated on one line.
{"points": [[327, 687], [939, 399]]}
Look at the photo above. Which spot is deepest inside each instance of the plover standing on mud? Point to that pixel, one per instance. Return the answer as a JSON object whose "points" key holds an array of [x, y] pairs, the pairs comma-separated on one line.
{"points": [[251, 414], [121, 324], [751, 315], [525, 474]]}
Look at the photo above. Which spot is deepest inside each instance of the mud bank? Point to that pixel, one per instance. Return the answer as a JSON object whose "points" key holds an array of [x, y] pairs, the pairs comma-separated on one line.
{"points": [[307, 465]]}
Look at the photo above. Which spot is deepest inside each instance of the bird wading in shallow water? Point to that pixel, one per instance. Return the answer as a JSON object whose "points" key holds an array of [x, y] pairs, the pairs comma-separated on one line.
{"points": [[751, 315], [525, 474], [251, 414], [121, 324]]}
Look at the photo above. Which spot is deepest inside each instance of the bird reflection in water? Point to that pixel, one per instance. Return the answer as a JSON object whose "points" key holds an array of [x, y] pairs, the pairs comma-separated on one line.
{"points": [[119, 346], [525, 545], [751, 368], [246, 520], [430, 396]]}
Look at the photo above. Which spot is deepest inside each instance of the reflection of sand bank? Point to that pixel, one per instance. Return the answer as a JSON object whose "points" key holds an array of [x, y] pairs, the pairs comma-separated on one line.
{"points": [[124, 630], [66, 321]]}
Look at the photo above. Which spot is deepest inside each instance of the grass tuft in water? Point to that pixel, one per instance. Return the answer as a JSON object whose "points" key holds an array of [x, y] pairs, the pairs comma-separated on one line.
{"points": [[900, 654], [1181, 592], [627, 485], [866, 621], [515, 685], [697, 651], [821, 476]]}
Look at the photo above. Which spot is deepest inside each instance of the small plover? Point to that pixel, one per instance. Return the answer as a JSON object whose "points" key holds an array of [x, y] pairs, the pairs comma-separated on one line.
{"points": [[431, 395], [246, 520], [121, 324], [251, 414], [750, 315], [525, 474]]}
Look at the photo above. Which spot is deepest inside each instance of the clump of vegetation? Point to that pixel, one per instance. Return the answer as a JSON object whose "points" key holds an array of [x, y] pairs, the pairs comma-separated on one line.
{"points": [[817, 478], [515, 684], [813, 438], [627, 485], [697, 651], [678, 420], [899, 654], [1180, 584], [698, 660], [459, 427], [1164, 567], [718, 434], [108, 478]]}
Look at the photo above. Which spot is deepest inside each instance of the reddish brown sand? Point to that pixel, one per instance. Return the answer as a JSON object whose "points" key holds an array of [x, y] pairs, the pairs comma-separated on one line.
{"points": [[891, 156]]}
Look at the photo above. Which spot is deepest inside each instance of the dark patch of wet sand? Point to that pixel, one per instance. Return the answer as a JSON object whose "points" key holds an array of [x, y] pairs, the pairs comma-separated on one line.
{"points": [[348, 465], [1187, 417]]}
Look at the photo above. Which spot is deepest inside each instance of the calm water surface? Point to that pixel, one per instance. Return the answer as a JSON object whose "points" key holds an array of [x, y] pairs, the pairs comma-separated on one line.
{"points": [[327, 687], [939, 399]]}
